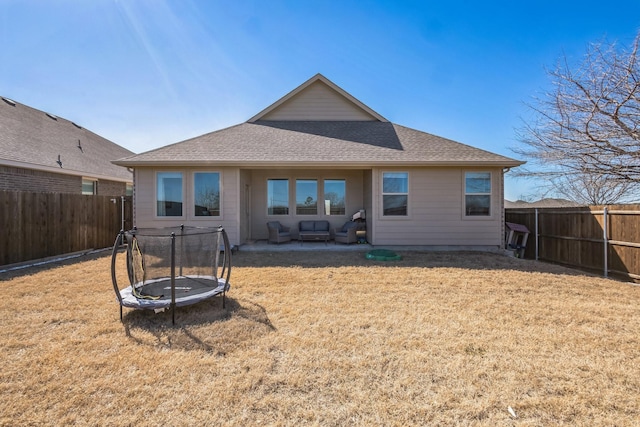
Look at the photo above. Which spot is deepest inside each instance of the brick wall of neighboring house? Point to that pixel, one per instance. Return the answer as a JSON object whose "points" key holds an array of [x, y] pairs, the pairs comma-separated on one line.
{"points": [[111, 188], [21, 179]]}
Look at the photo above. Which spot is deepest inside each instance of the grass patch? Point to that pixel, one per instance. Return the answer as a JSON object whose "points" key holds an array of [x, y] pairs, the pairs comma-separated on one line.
{"points": [[326, 339]]}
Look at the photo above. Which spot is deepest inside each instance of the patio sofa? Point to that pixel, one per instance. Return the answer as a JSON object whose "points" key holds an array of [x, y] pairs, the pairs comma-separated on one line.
{"points": [[314, 230]]}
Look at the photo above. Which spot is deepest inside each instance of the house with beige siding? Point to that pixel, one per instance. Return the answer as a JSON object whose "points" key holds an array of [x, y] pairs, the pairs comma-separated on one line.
{"points": [[320, 154]]}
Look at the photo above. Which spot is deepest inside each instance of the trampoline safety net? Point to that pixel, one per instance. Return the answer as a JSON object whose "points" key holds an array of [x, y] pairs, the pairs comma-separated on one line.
{"points": [[169, 267]]}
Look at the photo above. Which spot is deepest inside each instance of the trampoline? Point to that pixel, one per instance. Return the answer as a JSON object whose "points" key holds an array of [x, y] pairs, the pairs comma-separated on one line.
{"points": [[172, 267]]}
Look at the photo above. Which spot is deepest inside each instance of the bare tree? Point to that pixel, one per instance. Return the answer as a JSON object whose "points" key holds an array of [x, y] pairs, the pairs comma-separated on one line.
{"points": [[585, 134], [591, 189]]}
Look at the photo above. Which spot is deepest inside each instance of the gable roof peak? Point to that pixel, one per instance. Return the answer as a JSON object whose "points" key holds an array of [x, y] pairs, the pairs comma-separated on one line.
{"points": [[318, 99]]}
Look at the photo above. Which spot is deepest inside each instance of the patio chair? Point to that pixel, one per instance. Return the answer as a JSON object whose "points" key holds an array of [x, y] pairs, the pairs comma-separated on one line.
{"points": [[278, 233], [347, 233]]}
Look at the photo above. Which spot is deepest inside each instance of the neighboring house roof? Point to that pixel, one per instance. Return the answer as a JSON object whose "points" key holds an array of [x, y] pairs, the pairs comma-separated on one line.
{"points": [[543, 203], [33, 139], [318, 124]]}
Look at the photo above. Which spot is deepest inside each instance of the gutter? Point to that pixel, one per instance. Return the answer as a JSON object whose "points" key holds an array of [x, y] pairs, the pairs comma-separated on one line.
{"points": [[315, 165], [62, 171]]}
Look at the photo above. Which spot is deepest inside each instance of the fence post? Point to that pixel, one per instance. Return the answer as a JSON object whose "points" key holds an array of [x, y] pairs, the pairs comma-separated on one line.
{"points": [[537, 234], [605, 226]]}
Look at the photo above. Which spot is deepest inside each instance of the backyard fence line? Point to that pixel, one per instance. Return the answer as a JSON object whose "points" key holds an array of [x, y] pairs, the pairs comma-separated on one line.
{"points": [[597, 238], [41, 225]]}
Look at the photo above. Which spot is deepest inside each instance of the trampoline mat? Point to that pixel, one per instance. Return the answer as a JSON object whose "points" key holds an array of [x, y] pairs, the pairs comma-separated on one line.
{"points": [[189, 290]]}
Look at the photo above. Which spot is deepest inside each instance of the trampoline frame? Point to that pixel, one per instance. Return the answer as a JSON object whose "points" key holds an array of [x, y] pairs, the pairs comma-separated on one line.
{"points": [[127, 296]]}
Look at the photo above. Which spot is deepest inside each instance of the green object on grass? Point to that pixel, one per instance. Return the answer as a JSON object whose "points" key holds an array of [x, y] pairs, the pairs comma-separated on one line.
{"points": [[383, 255]]}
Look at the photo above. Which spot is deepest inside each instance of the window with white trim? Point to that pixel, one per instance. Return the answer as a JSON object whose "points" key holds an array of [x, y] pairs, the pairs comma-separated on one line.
{"points": [[206, 193], [395, 193], [169, 194], [477, 193]]}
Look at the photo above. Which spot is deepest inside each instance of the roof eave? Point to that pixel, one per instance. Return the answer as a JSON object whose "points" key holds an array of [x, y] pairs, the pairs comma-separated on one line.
{"points": [[315, 164], [64, 171]]}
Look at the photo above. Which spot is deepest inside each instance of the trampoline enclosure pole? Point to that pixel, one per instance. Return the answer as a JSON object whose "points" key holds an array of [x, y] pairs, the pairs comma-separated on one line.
{"points": [[181, 247], [122, 212], [173, 277], [114, 280]]}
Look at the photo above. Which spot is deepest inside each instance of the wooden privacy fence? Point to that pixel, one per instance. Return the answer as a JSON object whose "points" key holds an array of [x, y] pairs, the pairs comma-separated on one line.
{"points": [[41, 225], [599, 238]]}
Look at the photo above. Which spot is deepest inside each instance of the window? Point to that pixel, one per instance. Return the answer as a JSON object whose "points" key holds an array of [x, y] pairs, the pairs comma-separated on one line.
{"points": [[395, 193], [278, 197], [169, 194], [477, 193], [206, 193], [306, 197], [129, 189], [89, 186], [334, 194]]}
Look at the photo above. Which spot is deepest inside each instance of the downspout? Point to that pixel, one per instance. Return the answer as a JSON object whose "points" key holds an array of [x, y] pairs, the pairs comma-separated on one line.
{"points": [[503, 244]]}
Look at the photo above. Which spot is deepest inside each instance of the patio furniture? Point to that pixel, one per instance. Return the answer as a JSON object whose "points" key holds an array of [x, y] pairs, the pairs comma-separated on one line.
{"points": [[516, 238], [314, 230], [347, 233], [278, 233]]}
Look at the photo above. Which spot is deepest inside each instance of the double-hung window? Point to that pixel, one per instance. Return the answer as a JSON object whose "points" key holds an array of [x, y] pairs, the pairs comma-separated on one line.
{"points": [[477, 193], [206, 193], [395, 193], [169, 194]]}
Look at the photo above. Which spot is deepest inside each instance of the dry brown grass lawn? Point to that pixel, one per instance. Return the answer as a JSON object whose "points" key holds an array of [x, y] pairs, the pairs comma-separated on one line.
{"points": [[327, 339]]}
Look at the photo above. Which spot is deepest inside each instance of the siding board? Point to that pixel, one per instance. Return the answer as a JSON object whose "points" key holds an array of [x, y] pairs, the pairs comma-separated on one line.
{"points": [[436, 211], [145, 215], [435, 204], [318, 102]]}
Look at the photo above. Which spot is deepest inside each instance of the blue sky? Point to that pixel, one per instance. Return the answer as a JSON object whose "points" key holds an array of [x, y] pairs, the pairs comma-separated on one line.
{"points": [[149, 73]]}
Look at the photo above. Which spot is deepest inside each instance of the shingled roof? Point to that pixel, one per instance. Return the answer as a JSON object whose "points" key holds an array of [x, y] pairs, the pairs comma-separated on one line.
{"points": [[330, 144], [372, 141], [33, 139]]}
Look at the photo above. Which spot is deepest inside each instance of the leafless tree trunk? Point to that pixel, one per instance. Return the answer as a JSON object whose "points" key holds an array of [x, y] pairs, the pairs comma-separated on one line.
{"points": [[585, 135]]}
